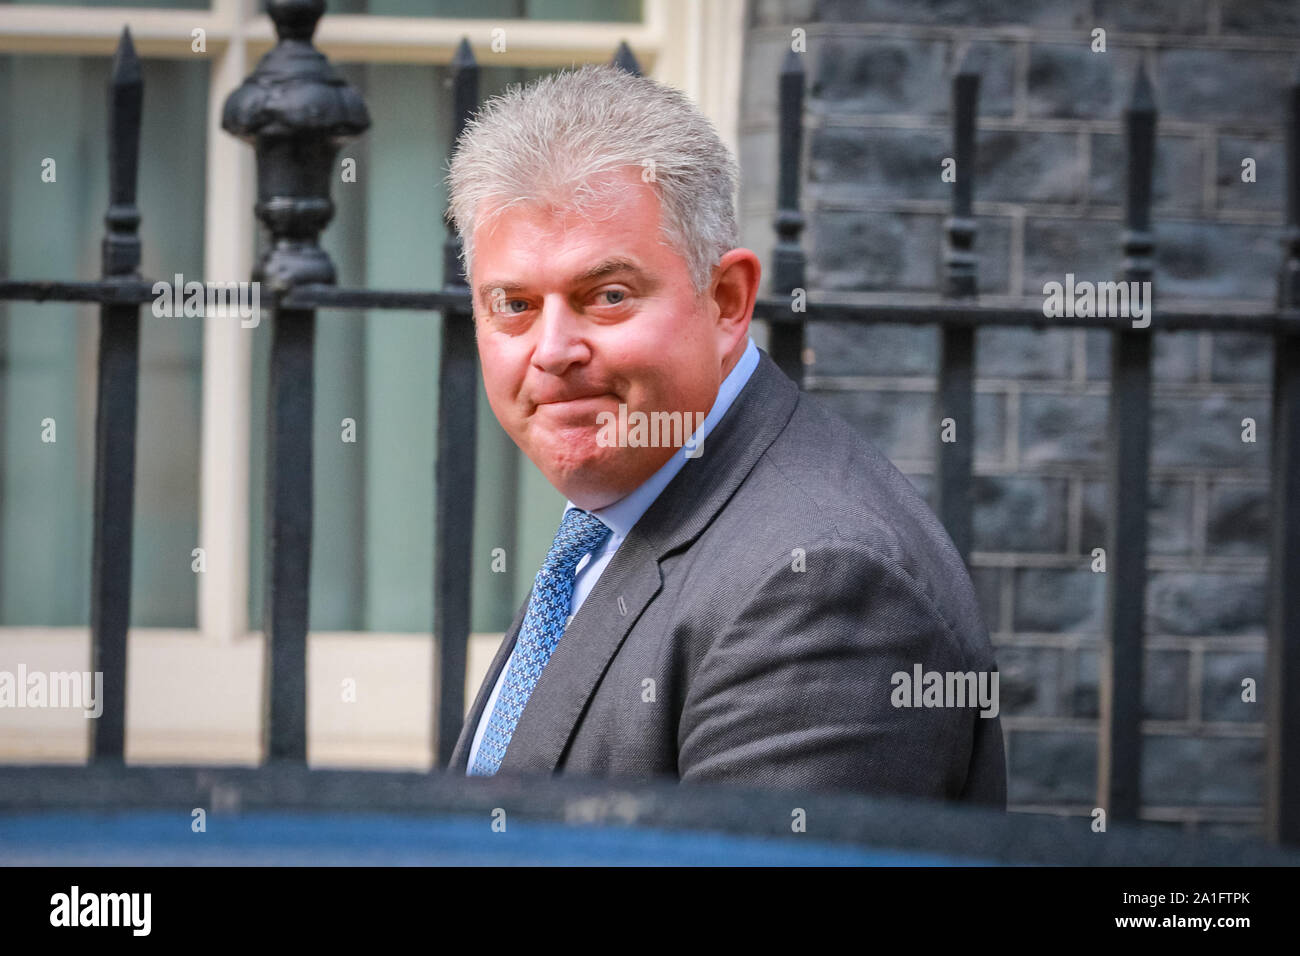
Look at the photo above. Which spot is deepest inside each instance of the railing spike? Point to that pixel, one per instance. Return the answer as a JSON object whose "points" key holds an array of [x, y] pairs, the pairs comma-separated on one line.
{"points": [[789, 264], [121, 246], [1142, 99], [464, 55], [1140, 135], [625, 60], [1289, 278], [1119, 733], [464, 87], [126, 64], [456, 431], [959, 260], [115, 410]]}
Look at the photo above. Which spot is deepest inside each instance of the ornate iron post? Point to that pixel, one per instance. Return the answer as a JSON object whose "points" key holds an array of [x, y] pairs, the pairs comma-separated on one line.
{"points": [[296, 111]]}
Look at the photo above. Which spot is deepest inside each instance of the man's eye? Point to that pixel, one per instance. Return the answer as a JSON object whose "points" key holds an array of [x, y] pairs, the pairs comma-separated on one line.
{"points": [[618, 292], [522, 303]]}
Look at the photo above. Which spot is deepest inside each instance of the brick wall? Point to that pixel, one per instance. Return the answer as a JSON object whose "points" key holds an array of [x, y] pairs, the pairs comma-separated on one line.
{"points": [[1049, 192]]}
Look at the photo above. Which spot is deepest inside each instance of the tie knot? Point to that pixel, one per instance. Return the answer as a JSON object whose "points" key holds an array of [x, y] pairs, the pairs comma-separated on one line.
{"points": [[580, 533]]}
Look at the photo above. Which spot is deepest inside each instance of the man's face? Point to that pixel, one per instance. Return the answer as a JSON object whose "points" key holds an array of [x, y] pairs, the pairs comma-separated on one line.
{"points": [[574, 317]]}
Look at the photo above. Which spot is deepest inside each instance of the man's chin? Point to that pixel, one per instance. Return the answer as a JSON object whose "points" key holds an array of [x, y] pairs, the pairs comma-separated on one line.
{"points": [[579, 465], [591, 485]]}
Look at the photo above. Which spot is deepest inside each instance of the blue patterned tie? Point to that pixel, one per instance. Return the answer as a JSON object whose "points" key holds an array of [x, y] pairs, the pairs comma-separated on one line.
{"points": [[544, 622]]}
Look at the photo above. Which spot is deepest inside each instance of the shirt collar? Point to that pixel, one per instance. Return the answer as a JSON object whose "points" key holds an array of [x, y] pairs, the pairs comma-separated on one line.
{"points": [[627, 511]]}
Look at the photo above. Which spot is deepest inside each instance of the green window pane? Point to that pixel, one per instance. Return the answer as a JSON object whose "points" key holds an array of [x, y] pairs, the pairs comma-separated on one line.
{"points": [[150, 4], [52, 230], [600, 11]]}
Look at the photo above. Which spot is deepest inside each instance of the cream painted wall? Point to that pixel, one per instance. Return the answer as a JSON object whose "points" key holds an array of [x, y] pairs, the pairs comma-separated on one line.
{"points": [[191, 699]]}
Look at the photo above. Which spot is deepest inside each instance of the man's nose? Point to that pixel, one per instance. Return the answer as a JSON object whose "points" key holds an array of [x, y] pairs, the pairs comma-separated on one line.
{"points": [[560, 341]]}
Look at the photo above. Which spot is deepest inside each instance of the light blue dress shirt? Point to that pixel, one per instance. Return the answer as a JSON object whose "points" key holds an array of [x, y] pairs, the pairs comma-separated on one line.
{"points": [[624, 513]]}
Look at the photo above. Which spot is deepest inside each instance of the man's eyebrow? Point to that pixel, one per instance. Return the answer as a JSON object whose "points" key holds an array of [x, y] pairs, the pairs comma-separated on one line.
{"points": [[486, 289], [601, 270], [607, 268]]}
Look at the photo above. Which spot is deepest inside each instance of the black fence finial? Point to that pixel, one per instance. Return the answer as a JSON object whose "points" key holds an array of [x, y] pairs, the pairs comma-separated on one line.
{"points": [[1288, 289], [959, 278], [1140, 134], [464, 86], [297, 111], [625, 60], [295, 19], [121, 247], [464, 100], [789, 264]]}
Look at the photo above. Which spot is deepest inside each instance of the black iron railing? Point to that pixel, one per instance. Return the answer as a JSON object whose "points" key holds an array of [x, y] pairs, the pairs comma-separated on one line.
{"points": [[296, 138]]}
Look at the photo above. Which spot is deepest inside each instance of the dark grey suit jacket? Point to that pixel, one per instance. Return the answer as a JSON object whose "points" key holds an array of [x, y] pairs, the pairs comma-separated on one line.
{"points": [[704, 653]]}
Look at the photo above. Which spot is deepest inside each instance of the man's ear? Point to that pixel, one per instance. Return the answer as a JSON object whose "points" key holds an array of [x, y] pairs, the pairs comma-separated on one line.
{"points": [[734, 289]]}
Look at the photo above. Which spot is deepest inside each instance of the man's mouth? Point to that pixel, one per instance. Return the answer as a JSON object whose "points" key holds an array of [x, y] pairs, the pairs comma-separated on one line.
{"points": [[574, 399]]}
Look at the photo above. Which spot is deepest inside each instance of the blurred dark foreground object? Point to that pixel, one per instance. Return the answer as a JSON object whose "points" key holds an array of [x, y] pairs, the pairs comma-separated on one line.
{"points": [[286, 814]]}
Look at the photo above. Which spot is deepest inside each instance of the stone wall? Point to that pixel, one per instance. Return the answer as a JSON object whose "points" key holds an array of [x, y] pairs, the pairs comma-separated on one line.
{"points": [[1049, 191]]}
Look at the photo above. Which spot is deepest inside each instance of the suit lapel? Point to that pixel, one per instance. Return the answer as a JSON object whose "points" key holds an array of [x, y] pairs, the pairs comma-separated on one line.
{"points": [[633, 577], [629, 581]]}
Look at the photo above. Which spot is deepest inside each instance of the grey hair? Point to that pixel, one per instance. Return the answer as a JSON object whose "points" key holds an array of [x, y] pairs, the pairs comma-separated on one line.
{"points": [[552, 141]]}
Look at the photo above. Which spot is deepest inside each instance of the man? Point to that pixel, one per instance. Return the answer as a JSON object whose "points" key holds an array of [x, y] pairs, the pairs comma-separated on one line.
{"points": [[737, 591]]}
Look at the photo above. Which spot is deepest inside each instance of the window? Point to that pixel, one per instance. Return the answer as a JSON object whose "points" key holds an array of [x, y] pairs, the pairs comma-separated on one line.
{"points": [[203, 382]]}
